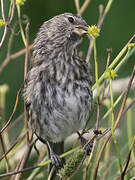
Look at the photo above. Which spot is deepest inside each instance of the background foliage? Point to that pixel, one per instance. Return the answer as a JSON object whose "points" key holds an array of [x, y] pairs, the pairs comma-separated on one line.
{"points": [[116, 31]]}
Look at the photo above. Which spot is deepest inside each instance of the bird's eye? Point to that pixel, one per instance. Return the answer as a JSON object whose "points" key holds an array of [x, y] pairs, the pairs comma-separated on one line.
{"points": [[71, 20]]}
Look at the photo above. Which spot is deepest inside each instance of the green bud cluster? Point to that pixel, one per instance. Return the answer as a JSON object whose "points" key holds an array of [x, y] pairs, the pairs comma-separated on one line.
{"points": [[71, 165]]}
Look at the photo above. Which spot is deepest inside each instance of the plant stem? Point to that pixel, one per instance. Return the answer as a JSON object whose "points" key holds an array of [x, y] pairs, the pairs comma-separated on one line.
{"points": [[115, 61], [20, 24], [114, 138], [96, 67]]}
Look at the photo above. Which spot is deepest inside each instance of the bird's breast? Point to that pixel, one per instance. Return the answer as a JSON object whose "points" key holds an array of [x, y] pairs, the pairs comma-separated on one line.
{"points": [[60, 100]]}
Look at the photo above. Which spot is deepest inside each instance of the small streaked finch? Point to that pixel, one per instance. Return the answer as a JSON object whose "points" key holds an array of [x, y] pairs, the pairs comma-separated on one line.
{"points": [[57, 90]]}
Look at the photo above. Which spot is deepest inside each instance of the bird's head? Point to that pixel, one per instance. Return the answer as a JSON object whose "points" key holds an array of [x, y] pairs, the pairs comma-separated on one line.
{"points": [[69, 26], [64, 31]]}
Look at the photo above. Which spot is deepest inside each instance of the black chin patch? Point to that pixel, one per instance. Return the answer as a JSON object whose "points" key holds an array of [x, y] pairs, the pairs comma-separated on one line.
{"points": [[75, 37]]}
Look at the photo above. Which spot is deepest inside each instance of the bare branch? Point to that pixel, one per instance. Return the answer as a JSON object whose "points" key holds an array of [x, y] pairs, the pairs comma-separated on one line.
{"points": [[2, 11], [129, 106], [12, 12], [24, 159], [84, 6], [25, 73], [7, 23], [14, 56], [77, 6], [128, 159], [116, 123], [14, 110], [101, 19]]}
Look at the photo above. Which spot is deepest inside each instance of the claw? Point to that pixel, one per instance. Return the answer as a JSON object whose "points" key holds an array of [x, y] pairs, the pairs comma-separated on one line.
{"points": [[84, 141], [56, 160], [88, 148]]}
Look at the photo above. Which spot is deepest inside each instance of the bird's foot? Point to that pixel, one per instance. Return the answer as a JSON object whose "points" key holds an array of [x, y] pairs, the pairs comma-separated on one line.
{"points": [[97, 132], [87, 146], [56, 160]]}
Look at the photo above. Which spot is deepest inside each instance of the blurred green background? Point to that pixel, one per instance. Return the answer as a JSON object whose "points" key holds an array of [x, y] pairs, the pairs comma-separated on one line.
{"points": [[117, 29]]}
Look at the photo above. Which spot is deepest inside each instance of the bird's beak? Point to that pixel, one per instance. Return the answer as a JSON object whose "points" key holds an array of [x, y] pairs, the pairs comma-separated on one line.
{"points": [[81, 30]]}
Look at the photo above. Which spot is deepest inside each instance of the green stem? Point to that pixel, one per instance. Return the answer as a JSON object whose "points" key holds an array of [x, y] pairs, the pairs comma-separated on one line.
{"points": [[129, 126], [93, 164], [61, 156], [114, 138], [36, 171], [115, 61], [115, 103], [122, 61], [108, 6], [10, 8], [96, 67], [20, 24]]}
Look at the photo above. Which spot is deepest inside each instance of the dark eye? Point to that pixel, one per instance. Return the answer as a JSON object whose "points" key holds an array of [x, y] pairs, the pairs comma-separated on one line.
{"points": [[71, 19]]}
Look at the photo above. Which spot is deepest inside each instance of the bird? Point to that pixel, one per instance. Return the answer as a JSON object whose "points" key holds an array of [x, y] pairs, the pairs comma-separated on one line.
{"points": [[58, 86]]}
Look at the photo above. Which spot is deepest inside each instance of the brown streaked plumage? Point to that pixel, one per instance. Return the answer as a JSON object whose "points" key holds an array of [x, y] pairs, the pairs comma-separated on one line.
{"points": [[57, 91]]}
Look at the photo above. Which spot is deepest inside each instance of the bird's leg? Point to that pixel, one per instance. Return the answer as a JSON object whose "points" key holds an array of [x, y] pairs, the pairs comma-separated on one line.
{"points": [[84, 141], [56, 161]]}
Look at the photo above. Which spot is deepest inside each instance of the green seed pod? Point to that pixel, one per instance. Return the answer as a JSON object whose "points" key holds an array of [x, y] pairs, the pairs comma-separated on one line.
{"points": [[71, 165]]}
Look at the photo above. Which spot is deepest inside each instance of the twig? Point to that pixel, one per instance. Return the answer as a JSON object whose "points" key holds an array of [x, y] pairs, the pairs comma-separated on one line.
{"points": [[122, 52], [107, 64], [12, 11], [3, 148], [16, 141], [2, 11], [97, 84], [37, 166], [13, 56], [77, 6], [103, 93], [84, 6], [16, 172], [27, 50], [14, 110], [80, 10], [130, 168], [99, 158], [99, 24], [98, 113], [116, 123], [129, 106], [21, 117], [90, 49], [25, 73], [11, 40], [125, 98], [7, 23], [20, 24], [24, 160], [128, 159], [51, 173], [115, 103], [89, 160], [90, 116], [4, 37]]}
